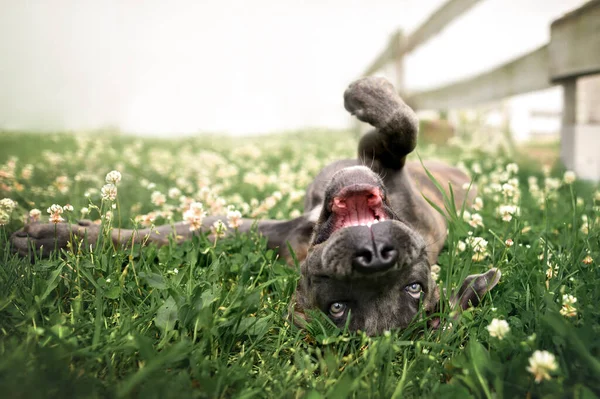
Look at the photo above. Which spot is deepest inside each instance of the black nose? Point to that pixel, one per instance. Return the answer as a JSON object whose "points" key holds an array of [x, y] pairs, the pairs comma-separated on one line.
{"points": [[374, 258]]}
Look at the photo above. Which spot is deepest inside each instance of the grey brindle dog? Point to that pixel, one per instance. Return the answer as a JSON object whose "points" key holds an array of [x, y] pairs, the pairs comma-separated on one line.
{"points": [[367, 238]]}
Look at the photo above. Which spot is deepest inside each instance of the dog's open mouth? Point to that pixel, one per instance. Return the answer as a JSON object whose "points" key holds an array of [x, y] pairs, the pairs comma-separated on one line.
{"points": [[357, 205]]}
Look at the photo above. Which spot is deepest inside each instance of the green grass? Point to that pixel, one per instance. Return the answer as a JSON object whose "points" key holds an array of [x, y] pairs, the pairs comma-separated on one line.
{"points": [[209, 319]]}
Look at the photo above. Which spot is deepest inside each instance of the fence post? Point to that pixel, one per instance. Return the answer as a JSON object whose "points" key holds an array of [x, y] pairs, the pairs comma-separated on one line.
{"points": [[568, 124], [398, 43]]}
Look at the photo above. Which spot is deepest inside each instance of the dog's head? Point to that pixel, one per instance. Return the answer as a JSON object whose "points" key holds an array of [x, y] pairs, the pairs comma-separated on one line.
{"points": [[364, 263]]}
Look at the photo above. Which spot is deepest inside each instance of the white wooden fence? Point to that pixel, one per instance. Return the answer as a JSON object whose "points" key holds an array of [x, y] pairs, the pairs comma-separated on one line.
{"points": [[573, 52]]}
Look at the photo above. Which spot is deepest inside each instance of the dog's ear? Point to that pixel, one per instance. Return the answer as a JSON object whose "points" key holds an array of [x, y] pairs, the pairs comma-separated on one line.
{"points": [[296, 313], [434, 307], [474, 288]]}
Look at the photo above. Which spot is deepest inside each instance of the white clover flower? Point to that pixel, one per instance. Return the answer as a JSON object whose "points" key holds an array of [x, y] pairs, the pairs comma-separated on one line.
{"points": [[569, 177], [62, 184], [476, 220], [478, 244], [55, 208], [68, 208], [512, 168], [158, 198], [476, 168], [552, 270], [508, 211], [461, 246], [495, 187], [466, 215], [588, 260], [585, 226], [8, 205], [234, 219], [27, 171], [568, 310], [435, 272], [479, 247], [194, 216], [509, 190], [4, 217], [551, 183], [597, 196], [109, 192], [84, 211], [270, 202], [174, 193], [35, 214], [295, 214], [509, 242], [477, 204], [55, 211], [113, 177], [541, 363], [146, 220], [218, 228], [498, 328], [296, 195], [546, 170], [277, 195], [568, 299]]}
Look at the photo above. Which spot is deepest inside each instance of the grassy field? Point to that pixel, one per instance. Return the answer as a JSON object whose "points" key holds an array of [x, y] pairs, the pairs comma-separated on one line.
{"points": [[208, 318]]}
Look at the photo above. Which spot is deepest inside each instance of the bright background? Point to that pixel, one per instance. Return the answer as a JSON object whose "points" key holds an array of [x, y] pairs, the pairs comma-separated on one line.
{"points": [[241, 67]]}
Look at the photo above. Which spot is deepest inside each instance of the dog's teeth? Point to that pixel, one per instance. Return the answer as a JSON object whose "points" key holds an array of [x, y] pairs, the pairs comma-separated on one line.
{"points": [[375, 221], [362, 224], [369, 224]]}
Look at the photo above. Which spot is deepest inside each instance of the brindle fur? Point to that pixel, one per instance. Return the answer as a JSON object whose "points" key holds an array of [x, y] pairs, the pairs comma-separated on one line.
{"points": [[417, 232]]}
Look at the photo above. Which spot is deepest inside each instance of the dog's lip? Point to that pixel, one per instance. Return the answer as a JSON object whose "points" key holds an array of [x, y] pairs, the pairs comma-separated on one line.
{"points": [[352, 189]]}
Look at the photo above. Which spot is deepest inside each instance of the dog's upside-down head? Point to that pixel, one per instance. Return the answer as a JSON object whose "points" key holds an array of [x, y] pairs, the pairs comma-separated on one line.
{"points": [[366, 264]]}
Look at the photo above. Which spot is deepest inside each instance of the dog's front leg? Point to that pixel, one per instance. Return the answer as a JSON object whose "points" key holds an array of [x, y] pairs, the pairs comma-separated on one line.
{"points": [[42, 238], [374, 100]]}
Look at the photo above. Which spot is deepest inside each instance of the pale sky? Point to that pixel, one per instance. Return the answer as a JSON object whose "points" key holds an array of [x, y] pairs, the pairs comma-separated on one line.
{"points": [[162, 67]]}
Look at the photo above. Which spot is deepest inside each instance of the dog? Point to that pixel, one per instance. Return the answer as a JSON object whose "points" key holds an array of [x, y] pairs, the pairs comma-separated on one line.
{"points": [[369, 233]]}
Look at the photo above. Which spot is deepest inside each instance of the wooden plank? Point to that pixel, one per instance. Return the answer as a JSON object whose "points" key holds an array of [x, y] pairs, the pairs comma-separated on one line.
{"points": [[384, 57], [441, 18], [575, 43], [522, 75]]}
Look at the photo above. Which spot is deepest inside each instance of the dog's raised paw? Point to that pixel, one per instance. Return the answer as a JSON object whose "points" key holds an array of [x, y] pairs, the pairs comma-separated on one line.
{"points": [[372, 100]]}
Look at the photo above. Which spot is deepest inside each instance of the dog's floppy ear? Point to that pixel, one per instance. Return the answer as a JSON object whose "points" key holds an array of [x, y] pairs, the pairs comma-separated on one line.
{"points": [[296, 314], [434, 307], [296, 308], [474, 288]]}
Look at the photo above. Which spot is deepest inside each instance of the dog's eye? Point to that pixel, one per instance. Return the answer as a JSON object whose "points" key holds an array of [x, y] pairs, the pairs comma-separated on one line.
{"points": [[414, 289], [337, 309]]}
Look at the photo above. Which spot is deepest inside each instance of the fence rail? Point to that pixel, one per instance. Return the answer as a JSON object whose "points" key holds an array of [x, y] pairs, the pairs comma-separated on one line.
{"points": [[522, 75], [573, 52], [398, 45]]}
